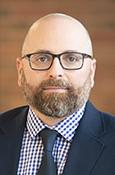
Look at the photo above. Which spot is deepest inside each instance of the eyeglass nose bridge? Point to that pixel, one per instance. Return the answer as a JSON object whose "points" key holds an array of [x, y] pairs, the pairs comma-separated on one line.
{"points": [[56, 56]]}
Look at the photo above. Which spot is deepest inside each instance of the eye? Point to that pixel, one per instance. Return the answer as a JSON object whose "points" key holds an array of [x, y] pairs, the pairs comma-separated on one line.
{"points": [[41, 58], [73, 58]]}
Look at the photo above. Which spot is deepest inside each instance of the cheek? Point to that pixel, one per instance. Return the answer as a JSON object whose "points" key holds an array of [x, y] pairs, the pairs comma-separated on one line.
{"points": [[34, 78], [76, 81], [79, 77]]}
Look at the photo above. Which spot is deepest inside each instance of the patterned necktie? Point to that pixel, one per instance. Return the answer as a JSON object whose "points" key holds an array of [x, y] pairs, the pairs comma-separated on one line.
{"points": [[48, 166]]}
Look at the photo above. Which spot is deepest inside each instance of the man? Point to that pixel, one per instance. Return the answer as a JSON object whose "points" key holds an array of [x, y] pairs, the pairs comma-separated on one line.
{"points": [[56, 74]]}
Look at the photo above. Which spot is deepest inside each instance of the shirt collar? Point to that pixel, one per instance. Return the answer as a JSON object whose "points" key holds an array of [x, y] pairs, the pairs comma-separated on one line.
{"points": [[66, 127]]}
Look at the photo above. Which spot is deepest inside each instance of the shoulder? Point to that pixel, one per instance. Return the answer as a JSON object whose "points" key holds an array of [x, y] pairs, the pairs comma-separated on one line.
{"points": [[98, 122], [107, 120], [13, 113]]}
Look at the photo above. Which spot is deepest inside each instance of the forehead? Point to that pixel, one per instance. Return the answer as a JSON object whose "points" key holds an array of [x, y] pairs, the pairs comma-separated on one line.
{"points": [[57, 35]]}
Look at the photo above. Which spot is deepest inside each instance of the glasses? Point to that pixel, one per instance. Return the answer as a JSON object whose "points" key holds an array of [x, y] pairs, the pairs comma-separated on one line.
{"points": [[69, 60]]}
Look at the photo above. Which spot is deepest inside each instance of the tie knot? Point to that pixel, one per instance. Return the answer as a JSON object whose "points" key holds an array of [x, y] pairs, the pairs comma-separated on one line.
{"points": [[48, 138]]}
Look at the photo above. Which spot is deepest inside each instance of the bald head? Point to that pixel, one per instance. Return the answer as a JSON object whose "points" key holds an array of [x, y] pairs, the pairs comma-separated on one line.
{"points": [[57, 33]]}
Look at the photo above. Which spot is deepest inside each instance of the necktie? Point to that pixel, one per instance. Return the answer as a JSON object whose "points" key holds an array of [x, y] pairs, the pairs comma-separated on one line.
{"points": [[48, 166]]}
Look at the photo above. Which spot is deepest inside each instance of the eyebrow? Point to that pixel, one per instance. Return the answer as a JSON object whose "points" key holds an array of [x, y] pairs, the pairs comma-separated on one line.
{"points": [[48, 51]]}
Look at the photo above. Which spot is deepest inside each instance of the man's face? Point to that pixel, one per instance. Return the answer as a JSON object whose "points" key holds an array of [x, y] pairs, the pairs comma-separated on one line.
{"points": [[56, 92]]}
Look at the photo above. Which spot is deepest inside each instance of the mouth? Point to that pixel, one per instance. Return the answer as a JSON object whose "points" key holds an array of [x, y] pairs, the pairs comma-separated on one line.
{"points": [[54, 89]]}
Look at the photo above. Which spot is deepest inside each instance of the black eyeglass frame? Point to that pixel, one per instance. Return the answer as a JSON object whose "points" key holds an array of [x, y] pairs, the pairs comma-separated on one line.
{"points": [[57, 56]]}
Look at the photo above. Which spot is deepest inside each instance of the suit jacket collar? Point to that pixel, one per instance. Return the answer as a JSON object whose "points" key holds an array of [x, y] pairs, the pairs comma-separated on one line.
{"points": [[87, 142]]}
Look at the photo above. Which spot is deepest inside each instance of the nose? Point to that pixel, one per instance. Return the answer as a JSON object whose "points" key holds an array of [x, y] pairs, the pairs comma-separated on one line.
{"points": [[56, 70]]}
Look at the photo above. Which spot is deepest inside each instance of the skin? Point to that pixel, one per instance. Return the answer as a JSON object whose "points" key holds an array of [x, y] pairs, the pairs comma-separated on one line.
{"points": [[56, 33]]}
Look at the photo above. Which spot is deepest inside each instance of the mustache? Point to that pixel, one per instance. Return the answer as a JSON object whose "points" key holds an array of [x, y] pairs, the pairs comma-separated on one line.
{"points": [[55, 82]]}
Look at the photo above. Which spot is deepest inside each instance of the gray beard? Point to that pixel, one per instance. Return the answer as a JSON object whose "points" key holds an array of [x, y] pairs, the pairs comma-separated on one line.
{"points": [[56, 105]]}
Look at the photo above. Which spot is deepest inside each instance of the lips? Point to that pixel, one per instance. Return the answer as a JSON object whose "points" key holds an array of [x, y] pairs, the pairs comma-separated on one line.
{"points": [[54, 88]]}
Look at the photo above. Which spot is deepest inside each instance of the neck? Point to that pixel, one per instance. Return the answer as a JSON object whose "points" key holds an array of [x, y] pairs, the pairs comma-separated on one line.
{"points": [[51, 121]]}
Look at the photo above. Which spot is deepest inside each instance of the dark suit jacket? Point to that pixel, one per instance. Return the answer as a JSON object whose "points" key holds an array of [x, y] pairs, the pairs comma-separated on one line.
{"points": [[92, 151]]}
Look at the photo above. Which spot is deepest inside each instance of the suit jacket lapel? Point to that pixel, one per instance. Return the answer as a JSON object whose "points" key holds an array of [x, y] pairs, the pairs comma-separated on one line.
{"points": [[11, 127], [87, 146]]}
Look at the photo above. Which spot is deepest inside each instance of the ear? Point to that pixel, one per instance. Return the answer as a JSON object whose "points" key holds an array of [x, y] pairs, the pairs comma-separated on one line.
{"points": [[19, 69], [93, 69]]}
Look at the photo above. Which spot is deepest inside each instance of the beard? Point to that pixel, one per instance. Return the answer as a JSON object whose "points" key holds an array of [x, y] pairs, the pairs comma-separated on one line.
{"points": [[55, 104]]}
